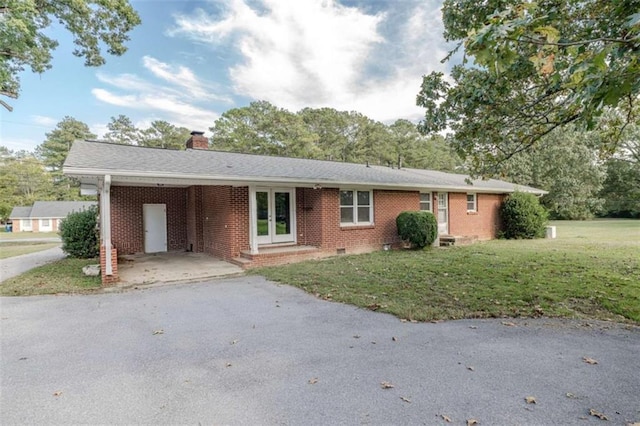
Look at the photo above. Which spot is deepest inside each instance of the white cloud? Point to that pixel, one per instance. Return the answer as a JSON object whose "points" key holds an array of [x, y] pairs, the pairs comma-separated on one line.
{"points": [[174, 100], [320, 53], [45, 121], [166, 107]]}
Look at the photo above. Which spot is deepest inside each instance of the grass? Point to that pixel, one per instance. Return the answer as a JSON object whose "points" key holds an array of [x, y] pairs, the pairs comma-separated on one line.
{"points": [[592, 270], [17, 248], [8, 236], [63, 276]]}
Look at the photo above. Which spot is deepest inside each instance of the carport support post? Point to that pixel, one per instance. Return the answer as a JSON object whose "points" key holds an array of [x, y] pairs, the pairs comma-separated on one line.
{"points": [[109, 273], [253, 222]]}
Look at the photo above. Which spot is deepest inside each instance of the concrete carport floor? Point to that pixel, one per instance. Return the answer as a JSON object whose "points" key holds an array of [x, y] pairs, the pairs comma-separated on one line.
{"points": [[172, 267], [247, 351]]}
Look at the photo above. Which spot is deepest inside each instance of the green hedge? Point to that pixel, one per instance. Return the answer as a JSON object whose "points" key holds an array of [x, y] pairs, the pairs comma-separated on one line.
{"points": [[523, 216], [420, 228], [79, 234]]}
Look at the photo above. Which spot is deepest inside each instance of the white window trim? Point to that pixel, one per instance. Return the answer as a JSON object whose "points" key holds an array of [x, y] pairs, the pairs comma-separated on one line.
{"points": [[430, 194], [355, 208], [475, 202]]}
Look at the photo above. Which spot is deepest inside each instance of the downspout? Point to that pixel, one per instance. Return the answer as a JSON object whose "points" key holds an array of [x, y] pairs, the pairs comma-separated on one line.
{"points": [[105, 222]]}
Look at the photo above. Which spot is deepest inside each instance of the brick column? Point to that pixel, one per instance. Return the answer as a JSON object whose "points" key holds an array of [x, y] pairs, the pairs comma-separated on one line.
{"points": [[108, 279]]}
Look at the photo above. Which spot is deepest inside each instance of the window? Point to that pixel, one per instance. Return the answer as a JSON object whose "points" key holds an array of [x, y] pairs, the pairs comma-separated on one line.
{"points": [[472, 204], [45, 223], [425, 201], [356, 207]]}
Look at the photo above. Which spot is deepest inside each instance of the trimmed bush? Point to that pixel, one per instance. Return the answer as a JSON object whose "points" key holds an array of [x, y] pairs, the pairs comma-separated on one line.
{"points": [[420, 228], [523, 217], [79, 234]]}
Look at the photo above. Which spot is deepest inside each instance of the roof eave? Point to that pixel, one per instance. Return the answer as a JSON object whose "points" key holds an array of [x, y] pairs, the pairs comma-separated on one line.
{"points": [[187, 179]]}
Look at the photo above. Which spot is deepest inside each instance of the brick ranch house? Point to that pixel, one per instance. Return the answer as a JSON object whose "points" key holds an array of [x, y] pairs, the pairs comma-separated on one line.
{"points": [[255, 210], [45, 216]]}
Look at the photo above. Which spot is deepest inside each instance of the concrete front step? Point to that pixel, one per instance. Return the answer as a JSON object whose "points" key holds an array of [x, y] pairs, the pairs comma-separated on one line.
{"points": [[452, 240]]}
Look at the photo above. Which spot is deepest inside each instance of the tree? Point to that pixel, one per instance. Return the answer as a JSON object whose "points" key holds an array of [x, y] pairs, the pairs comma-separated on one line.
{"points": [[54, 150], [529, 68], [564, 164], [23, 180], [621, 189], [122, 131], [94, 25], [162, 134], [422, 152], [262, 128]]}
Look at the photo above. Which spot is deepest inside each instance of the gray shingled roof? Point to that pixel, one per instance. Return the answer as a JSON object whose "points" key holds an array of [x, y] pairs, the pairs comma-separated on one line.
{"points": [[99, 158], [20, 212], [58, 209]]}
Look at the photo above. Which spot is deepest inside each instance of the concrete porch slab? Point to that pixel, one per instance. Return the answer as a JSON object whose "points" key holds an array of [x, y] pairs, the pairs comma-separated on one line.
{"points": [[172, 267]]}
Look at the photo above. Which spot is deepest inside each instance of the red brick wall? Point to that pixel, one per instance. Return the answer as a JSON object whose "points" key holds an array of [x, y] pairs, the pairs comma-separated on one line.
{"points": [[113, 278], [127, 228], [309, 216], [225, 216], [484, 223], [195, 237], [318, 213]]}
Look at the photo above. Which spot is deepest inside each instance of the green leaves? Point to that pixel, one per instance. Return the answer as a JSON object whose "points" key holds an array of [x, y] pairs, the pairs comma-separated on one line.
{"points": [[94, 25], [529, 68]]}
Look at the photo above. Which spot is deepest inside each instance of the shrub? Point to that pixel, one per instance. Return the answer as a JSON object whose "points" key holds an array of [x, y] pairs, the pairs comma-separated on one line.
{"points": [[79, 234], [420, 228], [523, 216]]}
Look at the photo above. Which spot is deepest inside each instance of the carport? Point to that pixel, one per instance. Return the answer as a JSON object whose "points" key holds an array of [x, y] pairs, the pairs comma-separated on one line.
{"points": [[172, 267]]}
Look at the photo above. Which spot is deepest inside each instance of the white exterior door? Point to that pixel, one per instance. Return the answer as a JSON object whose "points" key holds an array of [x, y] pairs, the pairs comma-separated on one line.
{"points": [[443, 213], [155, 227], [45, 225], [275, 215], [25, 224]]}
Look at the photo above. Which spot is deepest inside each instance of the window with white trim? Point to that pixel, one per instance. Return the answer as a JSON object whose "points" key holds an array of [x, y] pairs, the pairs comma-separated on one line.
{"points": [[425, 201], [472, 202], [45, 223], [356, 207]]}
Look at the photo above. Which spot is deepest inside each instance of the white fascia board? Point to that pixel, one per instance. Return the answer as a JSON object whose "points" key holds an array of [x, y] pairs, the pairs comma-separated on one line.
{"points": [[180, 179]]}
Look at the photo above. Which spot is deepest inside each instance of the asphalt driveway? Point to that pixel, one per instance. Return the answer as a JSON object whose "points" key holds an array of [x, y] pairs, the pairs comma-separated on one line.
{"points": [[14, 266], [247, 351]]}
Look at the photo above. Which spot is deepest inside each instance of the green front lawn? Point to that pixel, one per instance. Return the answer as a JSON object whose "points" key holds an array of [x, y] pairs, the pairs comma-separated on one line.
{"points": [[63, 276], [7, 236], [592, 270], [17, 248]]}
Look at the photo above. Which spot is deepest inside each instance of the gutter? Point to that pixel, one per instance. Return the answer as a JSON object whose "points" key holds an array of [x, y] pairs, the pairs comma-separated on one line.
{"points": [[242, 180]]}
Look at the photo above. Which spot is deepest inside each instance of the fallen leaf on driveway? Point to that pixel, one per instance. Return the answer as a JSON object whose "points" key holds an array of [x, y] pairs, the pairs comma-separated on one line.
{"points": [[228, 365], [386, 385], [589, 360], [471, 368], [570, 395], [158, 332], [313, 381], [473, 327], [509, 323], [405, 399], [57, 393], [530, 400], [233, 342], [633, 424], [597, 414], [394, 339], [446, 418], [472, 422]]}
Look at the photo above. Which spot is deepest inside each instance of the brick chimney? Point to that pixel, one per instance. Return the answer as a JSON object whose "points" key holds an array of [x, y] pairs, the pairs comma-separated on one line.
{"points": [[197, 141]]}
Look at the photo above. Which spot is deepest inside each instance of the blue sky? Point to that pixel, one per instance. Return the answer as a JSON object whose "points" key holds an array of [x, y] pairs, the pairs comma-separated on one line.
{"points": [[190, 61]]}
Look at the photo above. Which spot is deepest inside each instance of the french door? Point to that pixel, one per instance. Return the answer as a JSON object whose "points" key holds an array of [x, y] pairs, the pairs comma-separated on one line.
{"points": [[275, 215]]}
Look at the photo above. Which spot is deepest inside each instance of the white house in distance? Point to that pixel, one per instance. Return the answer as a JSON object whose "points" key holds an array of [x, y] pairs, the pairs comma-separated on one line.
{"points": [[45, 216]]}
